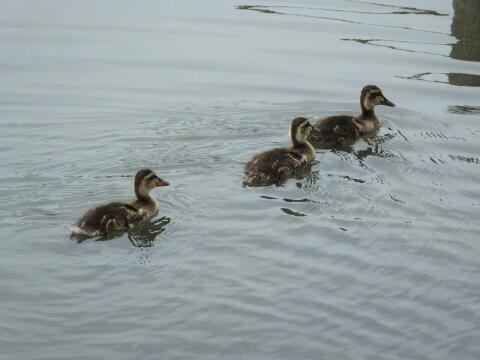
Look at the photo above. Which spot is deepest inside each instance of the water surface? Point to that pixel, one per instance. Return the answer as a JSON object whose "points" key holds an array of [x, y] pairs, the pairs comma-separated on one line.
{"points": [[374, 254]]}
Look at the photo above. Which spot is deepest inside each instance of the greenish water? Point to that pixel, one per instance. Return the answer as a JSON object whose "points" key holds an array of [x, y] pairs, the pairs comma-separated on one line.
{"points": [[373, 255]]}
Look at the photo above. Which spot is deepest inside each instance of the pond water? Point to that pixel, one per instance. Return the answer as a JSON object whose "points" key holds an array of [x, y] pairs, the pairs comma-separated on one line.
{"points": [[373, 255]]}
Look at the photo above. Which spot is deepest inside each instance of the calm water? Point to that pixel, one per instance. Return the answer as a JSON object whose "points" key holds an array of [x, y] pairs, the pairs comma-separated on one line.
{"points": [[374, 255]]}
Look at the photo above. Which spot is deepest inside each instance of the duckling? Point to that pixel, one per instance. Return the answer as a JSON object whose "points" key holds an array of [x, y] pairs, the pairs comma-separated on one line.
{"points": [[103, 219], [275, 165], [340, 128]]}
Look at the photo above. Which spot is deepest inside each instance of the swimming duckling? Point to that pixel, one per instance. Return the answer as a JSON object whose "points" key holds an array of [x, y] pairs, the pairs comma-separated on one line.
{"points": [[122, 215], [340, 128], [275, 165]]}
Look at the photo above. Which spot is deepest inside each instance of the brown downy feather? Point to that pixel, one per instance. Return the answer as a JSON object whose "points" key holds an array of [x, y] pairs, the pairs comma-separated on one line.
{"points": [[344, 128], [121, 215], [276, 165]]}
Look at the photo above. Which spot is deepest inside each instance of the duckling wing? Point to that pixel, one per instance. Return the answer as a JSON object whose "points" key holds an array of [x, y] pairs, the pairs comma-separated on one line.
{"points": [[104, 218], [273, 165], [335, 127]]}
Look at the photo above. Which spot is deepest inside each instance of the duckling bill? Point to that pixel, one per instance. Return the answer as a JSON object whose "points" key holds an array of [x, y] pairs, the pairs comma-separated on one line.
{"points": [[341, 128], [114, 216], [274, 166]]}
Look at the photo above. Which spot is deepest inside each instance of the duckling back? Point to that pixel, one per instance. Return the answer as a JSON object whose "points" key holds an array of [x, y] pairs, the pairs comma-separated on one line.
{"points": [[271, 166], [275, 165], [105, 218], [335, 128]]}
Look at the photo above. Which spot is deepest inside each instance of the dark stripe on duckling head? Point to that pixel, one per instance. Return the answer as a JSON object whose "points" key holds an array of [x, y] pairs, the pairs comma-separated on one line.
{"points": [[375, 94], [369, 88], [370, 96], [298, 130], [149, 178], [142, 175], [139, 184], [300, 121]]}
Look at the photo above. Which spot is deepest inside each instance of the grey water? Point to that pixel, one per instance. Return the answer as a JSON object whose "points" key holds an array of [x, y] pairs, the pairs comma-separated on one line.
{"points": [[374, 254]]}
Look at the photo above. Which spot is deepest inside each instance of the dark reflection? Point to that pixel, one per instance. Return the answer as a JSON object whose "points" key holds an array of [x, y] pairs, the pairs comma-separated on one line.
{"points": [[268, 197], [258, 8], [375, 147], [386, 43], [461, 79], [360, 181], [312, 182], [145, 234], [375, 150], [296, 200], [141, 236], [397, 10], [467, 159], [392, 10], [464, 109], [466, 28], [457, 79], [291, 212]]}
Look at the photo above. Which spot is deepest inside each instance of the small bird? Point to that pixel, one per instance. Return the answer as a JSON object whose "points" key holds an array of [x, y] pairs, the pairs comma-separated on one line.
{"points": [[106, 218], [274, 166], [341, 128]]}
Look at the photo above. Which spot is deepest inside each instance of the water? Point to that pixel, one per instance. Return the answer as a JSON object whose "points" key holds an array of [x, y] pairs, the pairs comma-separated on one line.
{"points": [[373, 255]]}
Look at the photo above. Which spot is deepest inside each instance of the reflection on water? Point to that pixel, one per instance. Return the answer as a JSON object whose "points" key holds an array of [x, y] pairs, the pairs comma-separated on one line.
{"points": [[291, 212], [461, 79], [259, 8], [396, 10], [376, 146], [407, 46], [143, 235], [361, 16], [373, 254], [375, 150], [466, 28], [464, 109], [457, 79]]}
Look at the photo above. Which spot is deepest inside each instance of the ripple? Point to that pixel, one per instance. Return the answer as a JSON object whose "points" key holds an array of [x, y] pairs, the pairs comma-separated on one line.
{"points": [[291, 212], [382, 264], [457, 79], [328, 14], [464, 109]]}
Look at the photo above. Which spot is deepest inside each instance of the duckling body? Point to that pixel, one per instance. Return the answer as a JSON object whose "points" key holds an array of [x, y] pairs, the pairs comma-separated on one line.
{"points": [[341, 128], [273, 166], [106, 218]]}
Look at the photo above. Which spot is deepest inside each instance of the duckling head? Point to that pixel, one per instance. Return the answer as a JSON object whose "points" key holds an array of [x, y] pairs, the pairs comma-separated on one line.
{"points": [[145, 181], [372, 96], [300, 130]]}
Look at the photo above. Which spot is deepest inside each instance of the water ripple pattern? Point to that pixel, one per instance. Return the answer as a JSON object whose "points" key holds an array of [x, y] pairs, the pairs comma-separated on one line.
{"points": [[373, 254]]}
